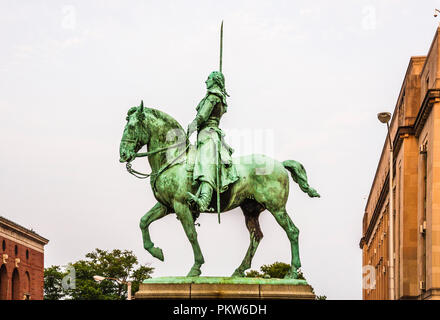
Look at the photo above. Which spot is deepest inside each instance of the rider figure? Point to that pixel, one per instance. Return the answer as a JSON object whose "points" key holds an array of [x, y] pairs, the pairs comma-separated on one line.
{"points": [[211, 148]]}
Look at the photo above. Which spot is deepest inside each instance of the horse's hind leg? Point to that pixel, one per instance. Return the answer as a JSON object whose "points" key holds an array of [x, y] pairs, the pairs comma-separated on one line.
{"points": [[251, 210], [157, 212], [292, 232]]}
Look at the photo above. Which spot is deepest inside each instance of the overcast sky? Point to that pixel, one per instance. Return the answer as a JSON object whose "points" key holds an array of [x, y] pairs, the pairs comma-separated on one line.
{"points": [[308, 76]]}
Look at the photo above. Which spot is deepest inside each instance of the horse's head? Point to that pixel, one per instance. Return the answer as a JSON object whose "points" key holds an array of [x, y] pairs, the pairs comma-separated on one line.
{"points": [[135, 135]]}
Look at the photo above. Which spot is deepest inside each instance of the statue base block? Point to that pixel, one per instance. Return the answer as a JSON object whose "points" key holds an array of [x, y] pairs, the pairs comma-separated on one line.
{"points": [[223, 288]]}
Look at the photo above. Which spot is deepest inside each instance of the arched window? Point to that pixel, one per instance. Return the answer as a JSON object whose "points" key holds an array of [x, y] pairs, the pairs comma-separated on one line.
{"points": [[27, 284], [3, 283], [16, 286]]}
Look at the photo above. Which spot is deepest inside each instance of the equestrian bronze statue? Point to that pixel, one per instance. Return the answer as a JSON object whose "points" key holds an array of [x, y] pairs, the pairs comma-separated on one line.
{"points": [[189, 179]]}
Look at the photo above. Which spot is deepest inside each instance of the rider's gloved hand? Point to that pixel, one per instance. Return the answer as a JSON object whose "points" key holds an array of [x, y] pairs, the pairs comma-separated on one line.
{"points": [[191, 128]]}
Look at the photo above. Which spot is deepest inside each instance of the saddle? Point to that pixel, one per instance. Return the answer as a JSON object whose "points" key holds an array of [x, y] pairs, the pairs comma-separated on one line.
{"points": [[191, 159]]}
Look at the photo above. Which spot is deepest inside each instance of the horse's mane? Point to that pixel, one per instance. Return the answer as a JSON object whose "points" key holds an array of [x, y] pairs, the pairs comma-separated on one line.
{"points": [[165, 117]]}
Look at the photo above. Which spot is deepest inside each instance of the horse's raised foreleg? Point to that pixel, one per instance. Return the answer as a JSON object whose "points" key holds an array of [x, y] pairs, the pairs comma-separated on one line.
{"points": [[292, 232], [157, 212], [251, 212], [185, 216]]}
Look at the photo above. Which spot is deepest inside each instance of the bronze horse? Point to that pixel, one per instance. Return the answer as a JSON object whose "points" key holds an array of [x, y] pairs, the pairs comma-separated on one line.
{"points": [[263, 184]]}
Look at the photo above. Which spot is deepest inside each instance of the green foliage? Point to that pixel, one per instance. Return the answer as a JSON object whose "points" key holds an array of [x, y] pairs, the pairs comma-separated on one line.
{"points": [[138, 275], [253, 274], [118, 264], [276, 270], [53, 277]]}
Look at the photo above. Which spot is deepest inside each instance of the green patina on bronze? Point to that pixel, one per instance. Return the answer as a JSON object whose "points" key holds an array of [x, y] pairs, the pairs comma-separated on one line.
{"points": [[213, 163], [189, 179], [224, 280], [263, 184]]}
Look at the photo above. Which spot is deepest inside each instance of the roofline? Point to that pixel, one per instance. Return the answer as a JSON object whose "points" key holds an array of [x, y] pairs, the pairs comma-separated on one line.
{"points": [[430, 47], [26, 232], [411, 60]]}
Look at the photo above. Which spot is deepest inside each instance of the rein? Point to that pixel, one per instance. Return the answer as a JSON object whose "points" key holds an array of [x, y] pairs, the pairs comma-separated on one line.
{"points": [[141, 175], [137, 174]]}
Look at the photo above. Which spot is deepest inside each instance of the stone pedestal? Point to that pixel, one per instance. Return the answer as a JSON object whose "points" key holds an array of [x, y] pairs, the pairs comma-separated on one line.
{"points": [[223, 288]]}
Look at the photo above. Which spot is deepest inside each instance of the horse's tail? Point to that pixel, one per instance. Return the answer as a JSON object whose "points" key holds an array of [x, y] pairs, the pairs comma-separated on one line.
{"points": [[299, 175]]}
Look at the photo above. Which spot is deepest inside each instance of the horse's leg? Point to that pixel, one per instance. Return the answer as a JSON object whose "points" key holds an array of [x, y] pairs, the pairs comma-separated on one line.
{"points": [[157, 212], [185, 216], [251, 210], [292, 232]]}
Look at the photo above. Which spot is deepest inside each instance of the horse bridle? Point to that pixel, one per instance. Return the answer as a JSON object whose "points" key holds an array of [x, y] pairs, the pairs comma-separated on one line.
{"points": [[141, 175]]}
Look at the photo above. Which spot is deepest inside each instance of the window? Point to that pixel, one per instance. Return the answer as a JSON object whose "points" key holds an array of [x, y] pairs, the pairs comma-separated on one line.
{"points": [[27, 254], [401, 112], [4, 245], [16, 250]]}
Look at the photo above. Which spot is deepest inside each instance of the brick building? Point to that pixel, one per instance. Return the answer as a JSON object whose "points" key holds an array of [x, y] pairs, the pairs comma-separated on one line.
{"points": [[415, 133], [21, 262]]}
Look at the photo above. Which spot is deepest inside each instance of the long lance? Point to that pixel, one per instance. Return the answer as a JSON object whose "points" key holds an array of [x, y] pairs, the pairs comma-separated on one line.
{"points": [[221, 46], [219, 143], [218, 179]]}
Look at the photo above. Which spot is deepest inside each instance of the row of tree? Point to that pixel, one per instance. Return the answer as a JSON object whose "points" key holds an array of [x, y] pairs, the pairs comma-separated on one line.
{"points": [[76, 281]]}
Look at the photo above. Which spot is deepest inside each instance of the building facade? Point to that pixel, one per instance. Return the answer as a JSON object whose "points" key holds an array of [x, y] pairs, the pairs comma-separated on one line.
{"points": [[21, 262], [415, 136]]}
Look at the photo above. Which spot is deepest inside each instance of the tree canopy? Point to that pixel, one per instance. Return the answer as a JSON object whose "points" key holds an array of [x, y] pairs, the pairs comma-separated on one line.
{"points": [[276, 270], [76, 281]]}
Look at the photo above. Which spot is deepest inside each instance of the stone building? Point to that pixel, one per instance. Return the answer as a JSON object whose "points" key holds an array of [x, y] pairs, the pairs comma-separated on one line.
{"points": [[415, 134], [21, 262]]}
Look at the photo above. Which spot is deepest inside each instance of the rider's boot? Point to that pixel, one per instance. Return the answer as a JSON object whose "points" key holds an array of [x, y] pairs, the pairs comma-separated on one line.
{"points": [[204, 199]]}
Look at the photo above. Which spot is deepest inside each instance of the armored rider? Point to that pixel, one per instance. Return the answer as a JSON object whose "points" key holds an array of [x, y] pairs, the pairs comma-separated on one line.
{"points": [[213, 167]]}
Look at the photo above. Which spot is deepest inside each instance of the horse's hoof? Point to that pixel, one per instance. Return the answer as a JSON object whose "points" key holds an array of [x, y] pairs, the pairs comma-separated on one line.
{"points": [[313, 193], [291, 275], [157, 253], [194, 272], [238, 274]]}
